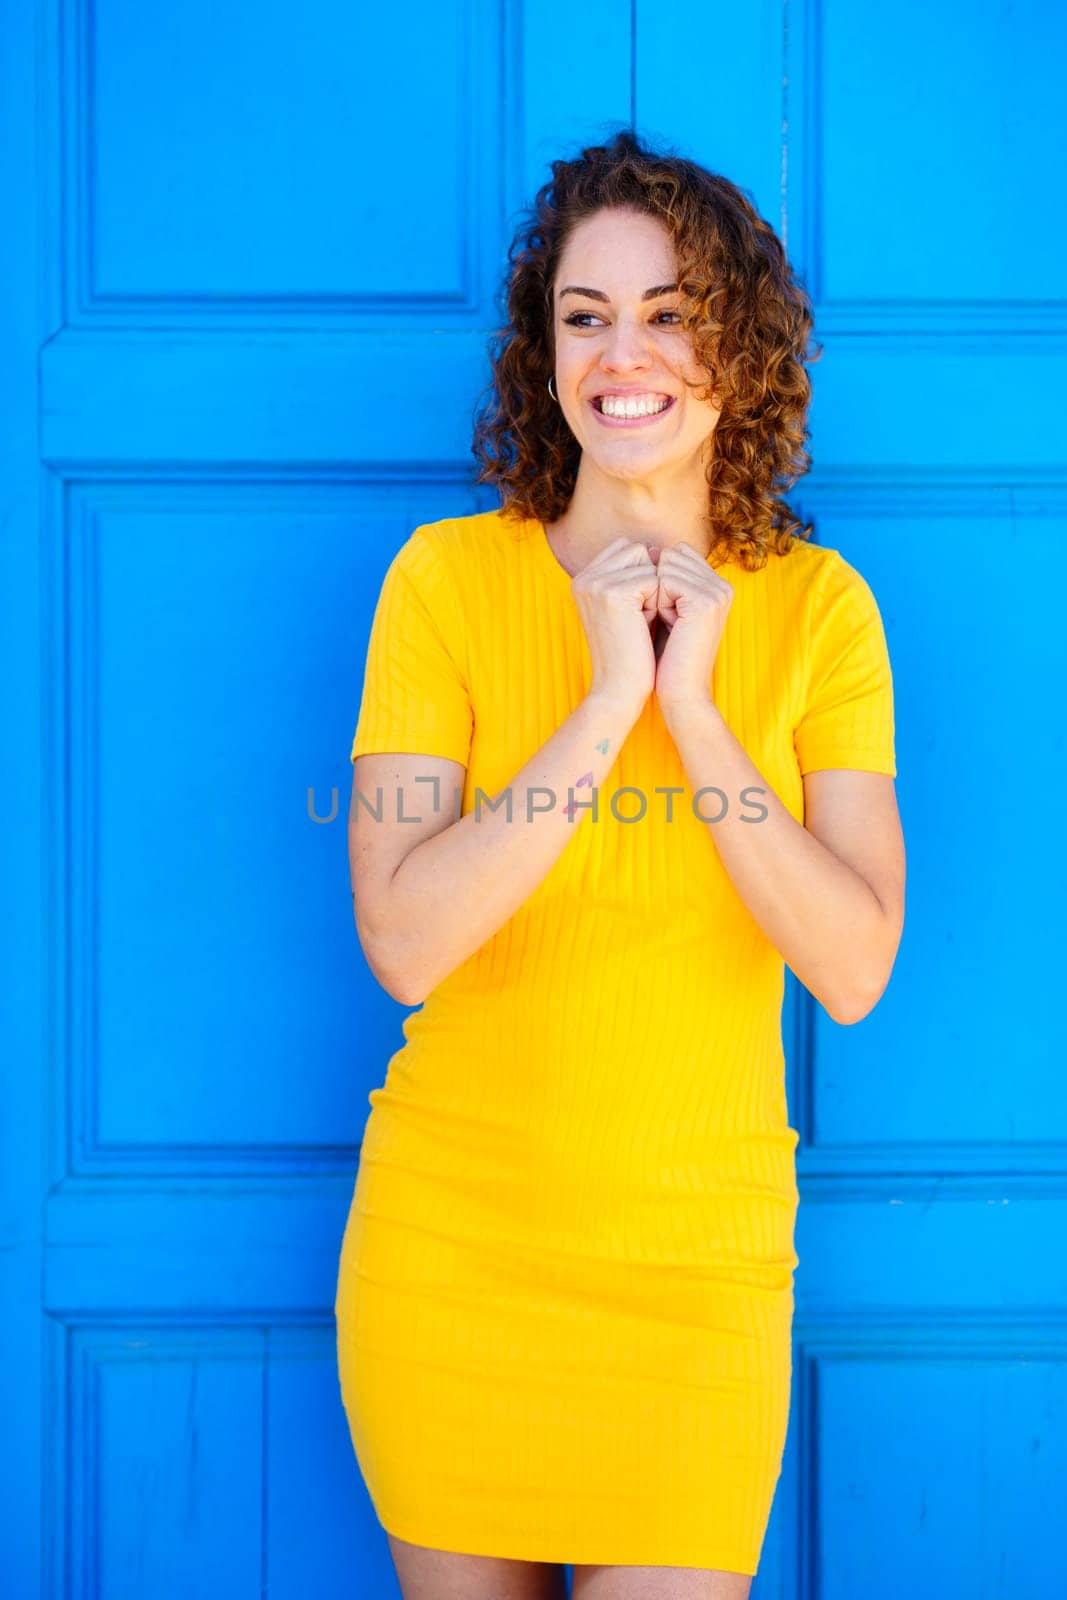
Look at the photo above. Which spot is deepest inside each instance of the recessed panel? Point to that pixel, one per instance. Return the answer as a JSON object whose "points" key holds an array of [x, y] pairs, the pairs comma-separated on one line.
{"points": [[206, 1461], [939, 1474], [166, 1446], [220, 998], [235, 155], [938, 155], [967, 1043]]}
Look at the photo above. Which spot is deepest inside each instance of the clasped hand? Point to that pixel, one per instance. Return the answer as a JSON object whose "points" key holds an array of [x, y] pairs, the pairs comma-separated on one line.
{"points": [[692, 603]]}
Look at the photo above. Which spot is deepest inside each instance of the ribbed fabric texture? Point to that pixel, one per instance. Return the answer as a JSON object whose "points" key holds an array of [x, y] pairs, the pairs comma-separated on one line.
{"points": [[565, 1294]]}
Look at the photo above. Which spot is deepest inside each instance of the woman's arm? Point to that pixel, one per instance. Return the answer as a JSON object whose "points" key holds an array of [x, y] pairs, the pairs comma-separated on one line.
{"points": [[832, 906], [428, 895]]}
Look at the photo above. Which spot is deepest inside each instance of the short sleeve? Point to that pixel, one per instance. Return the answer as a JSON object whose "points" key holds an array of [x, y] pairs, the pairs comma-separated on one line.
{"points": [[416, 697], [848, 714]]}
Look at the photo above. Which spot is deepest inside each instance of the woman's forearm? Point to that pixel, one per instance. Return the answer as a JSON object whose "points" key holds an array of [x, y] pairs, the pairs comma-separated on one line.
{"points": [[822, 917], [456, 889]]}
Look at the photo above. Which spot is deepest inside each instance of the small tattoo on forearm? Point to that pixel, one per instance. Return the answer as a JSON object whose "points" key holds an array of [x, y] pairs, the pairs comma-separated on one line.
{"points": [[602, 746], [586, 781]]}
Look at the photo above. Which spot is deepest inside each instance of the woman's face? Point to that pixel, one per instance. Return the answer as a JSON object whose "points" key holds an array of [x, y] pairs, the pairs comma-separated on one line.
{"points": [[612, 340]]}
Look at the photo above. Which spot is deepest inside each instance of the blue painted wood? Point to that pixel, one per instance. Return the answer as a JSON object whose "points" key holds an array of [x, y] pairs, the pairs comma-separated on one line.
{"points": [[250, 276], [28, 1410]]}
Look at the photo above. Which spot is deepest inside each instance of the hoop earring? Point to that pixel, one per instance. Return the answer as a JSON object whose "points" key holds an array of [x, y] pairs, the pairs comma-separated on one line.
{"points": [[551, 391]]}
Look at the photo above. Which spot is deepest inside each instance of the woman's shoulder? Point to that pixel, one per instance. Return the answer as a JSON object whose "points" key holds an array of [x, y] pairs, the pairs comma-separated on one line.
{"points": [[470, 549], [782, 588], [831, 581], [826, 601], [812, 575], [804, 563]]}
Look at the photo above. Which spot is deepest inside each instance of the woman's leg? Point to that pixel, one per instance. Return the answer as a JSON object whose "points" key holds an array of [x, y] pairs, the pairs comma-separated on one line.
{"points": [[427, 1574]]}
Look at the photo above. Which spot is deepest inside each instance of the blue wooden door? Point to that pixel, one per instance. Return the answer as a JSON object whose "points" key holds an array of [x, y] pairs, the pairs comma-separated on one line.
{"points": [[251, 261]]}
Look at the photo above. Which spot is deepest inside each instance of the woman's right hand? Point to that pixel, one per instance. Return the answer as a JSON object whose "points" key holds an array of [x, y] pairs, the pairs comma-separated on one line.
{"points": [[616, 596]]}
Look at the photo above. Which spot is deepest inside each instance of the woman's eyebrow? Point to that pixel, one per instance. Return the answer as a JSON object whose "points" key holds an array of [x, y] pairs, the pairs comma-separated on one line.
{"points": [[598, 294]]}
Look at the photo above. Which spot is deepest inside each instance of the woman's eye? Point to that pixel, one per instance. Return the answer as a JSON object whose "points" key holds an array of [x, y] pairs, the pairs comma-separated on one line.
{"points": [[575, 317]]}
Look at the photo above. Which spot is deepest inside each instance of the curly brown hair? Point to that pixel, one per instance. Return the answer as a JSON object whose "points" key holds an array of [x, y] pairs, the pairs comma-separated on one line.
{"points": [[750, 321]]}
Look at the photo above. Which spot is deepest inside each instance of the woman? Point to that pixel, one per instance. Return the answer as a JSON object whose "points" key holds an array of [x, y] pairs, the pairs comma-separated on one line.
{"points": [[625, 749]]}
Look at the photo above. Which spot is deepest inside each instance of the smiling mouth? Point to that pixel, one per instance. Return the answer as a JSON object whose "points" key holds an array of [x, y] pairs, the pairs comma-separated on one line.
{"points": [[645, 417]]}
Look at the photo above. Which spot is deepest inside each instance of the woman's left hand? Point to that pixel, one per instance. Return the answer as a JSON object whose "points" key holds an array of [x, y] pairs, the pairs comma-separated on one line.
{"points": [[693, 605]]}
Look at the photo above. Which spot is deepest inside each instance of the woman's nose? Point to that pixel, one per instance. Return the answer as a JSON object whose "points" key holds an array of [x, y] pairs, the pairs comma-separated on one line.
{"points": [[627, 344]]}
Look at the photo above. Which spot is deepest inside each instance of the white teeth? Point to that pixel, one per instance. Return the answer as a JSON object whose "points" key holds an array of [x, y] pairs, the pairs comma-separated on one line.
{"points": [[615, 406]]}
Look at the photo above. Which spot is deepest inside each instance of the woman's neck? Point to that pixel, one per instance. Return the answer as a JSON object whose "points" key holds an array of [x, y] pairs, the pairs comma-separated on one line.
{"points": [[577, 540]]}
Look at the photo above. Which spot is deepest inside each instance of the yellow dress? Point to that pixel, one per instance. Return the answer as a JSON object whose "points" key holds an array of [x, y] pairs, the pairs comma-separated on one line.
{"points": [[565, 1295]]}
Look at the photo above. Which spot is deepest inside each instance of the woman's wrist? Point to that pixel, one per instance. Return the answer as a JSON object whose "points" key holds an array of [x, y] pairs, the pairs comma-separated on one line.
{"points": [[618, 707]]}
